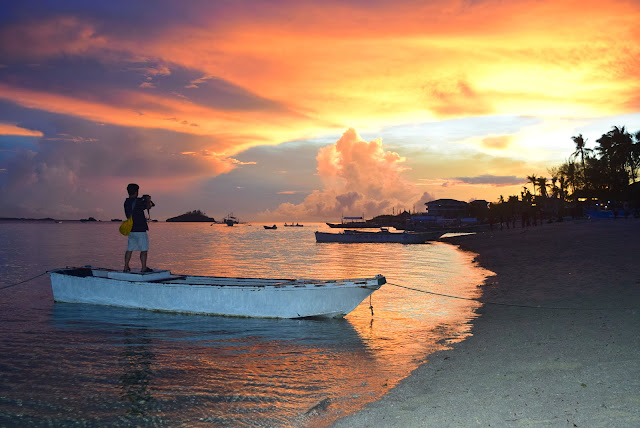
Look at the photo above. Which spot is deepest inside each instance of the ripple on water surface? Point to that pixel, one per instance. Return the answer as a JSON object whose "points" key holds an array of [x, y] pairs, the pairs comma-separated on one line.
{"points": [[115, 366]]}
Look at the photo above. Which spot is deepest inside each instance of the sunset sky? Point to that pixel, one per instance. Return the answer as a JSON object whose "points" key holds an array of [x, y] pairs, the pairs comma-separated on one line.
{"points": [[302, 110]]}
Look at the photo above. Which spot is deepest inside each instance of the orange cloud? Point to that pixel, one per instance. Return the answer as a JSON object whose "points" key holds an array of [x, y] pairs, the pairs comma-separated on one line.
{"points": [[498, 142], [9, 129], [400, 62], [422, 61], [235, 132]]}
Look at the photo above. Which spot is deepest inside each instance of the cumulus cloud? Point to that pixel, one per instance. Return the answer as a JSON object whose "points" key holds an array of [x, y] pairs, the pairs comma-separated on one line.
{"points": [[47, 182], [359, 178]]}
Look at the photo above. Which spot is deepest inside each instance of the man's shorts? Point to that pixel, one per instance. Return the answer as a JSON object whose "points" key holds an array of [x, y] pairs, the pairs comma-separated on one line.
{"points": [[138, 241]]}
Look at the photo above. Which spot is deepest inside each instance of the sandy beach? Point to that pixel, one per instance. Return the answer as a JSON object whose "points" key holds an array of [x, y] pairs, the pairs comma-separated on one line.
{"points": [[556, 343]]}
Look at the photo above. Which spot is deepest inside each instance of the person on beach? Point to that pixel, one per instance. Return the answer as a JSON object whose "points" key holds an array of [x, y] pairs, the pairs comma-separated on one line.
{"points": [[138, 239]]}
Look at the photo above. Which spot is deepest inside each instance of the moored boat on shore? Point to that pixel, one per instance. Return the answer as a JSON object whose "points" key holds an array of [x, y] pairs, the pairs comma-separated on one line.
{"points": [[381, 236], [245, 297], [354, 222]]}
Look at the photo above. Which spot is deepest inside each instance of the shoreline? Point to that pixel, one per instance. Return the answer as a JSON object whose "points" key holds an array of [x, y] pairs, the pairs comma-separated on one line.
{"points": [[568, 356]]}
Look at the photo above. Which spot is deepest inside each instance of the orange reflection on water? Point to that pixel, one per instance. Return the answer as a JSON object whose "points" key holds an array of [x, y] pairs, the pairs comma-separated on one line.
{"points": [[103, 364], [405, 328]]}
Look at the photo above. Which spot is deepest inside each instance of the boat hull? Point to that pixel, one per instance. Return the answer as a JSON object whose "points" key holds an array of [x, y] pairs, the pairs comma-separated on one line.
{"points": [[358, 237], [243, 297], [354, 224]]}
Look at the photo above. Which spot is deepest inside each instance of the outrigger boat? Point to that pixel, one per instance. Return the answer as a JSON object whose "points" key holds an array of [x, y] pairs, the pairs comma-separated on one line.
{"points": [[160, 290], [381, 236], [230, 220], [358, 222]]}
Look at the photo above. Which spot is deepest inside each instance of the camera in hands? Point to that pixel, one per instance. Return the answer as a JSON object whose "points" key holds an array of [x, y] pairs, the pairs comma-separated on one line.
{"points": [[147, 201]]}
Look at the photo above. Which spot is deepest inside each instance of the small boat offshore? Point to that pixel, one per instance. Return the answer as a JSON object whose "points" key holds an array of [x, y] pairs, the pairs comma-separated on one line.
{"points": [[160, 290]]}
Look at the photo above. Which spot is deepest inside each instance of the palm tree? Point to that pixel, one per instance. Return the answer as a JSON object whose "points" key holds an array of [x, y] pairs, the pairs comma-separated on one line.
{"points": [[634, 155], [526, 195], [615, 148], [568, 171], [582, 151], [555, 190], [533, 179], [564, 187], [581, 148], [542, 186]]}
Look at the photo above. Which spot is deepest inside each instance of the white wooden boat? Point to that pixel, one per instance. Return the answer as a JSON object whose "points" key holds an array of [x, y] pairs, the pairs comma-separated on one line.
{"points": [[245, 297], [381, 236]]}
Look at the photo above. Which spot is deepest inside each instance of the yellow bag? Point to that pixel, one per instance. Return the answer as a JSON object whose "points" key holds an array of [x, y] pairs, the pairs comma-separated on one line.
{"points": [[126, 226]]}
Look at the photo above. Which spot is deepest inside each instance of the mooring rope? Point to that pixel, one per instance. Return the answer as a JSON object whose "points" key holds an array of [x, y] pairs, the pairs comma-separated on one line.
{"points": [[22, 282], [515, 305], [487, 302]]}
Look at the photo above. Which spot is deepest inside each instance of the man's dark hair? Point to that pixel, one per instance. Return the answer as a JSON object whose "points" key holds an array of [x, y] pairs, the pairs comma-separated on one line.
{"points": [[132, 189]]}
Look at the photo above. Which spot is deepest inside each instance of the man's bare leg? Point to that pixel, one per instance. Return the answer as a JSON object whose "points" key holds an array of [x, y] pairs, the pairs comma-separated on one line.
{"points": [[143, 260], [127, 259]]}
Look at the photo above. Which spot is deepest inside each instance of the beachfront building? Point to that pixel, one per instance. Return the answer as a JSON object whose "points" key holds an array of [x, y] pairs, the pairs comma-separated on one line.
{"points": [[449, 212], [447, 209]]}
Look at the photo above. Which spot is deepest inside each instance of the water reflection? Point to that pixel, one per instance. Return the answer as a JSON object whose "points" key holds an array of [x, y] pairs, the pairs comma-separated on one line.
{"points": [[203, 330], [60, 363], [235, 370], [136, 359]]}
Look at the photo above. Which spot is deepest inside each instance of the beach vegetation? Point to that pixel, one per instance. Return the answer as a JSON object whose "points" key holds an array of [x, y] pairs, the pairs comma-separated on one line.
{"points": [[603, 176]]}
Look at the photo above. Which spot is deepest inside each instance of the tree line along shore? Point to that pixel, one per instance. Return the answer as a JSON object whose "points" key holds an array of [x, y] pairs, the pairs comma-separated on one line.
{"points": [[600, 178]]}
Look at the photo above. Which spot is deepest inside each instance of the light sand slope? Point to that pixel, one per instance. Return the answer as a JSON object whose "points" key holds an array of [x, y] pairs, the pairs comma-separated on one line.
{"points": [[529, 367]]}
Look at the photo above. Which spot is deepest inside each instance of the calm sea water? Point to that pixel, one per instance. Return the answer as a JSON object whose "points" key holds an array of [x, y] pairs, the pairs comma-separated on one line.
{"points": [[84, 365]]}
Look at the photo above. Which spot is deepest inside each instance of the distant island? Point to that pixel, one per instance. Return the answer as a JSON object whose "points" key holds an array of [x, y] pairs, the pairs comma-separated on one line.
{"points": [[192, 216], [45, 220], [22, 219]]}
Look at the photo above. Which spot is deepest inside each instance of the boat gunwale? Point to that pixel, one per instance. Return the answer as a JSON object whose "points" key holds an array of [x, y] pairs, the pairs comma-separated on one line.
{"points": [[182, 279]]}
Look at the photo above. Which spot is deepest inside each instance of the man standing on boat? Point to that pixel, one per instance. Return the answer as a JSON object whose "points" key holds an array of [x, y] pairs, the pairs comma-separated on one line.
{"points": [[138, 239]]}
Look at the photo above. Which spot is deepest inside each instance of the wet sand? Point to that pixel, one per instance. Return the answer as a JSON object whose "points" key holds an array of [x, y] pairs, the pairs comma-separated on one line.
{"points": [[571, 360]]}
